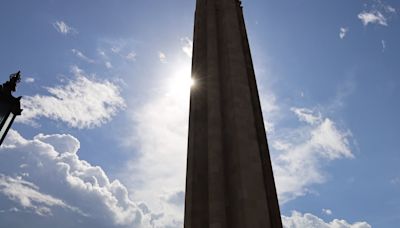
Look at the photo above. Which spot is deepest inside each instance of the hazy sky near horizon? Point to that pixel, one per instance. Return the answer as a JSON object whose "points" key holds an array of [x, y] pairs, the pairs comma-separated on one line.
{"points": [[102, 138]]}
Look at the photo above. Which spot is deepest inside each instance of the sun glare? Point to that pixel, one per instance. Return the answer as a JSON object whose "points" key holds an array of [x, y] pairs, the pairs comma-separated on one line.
{"points": [[181, 81], [192, 82]]}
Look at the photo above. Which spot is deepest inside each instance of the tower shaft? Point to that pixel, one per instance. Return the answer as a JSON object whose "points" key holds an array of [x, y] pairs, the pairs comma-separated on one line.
{"points": [[229, 180]]}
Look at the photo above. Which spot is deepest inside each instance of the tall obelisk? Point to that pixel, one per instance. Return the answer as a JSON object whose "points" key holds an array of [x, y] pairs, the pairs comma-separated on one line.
{"points": [[229, 181]]}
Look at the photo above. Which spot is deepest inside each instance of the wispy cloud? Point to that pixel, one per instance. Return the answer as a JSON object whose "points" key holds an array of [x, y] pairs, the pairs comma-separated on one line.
{"points": [[308, 220], [268, 105], [390, 9], [377, 12], [298, 150], [187, 46], [82, 56], [63, 28], [381, 5], [115, 49], [160, 136], [343, 32], [81, 103], [395, 180], [327, 211], [121, 48], [307, 115], [131, 56], [108, 65], [102, 53], [162, 57], [29, 80], [383, 45], [372, 17], [301, 151]]}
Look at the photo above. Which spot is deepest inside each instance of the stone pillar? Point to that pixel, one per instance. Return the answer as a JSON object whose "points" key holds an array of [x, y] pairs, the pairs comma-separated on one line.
{"points": [[229, 181]]}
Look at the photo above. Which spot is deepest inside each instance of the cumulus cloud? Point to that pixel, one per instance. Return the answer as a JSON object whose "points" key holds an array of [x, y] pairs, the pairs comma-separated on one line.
{"points": [[63, 28], [83, 102], [27, 195], [82, 56], [343, 32], [307, 220], [175, 198], [60, 187], [302, 150], [187, 46]]}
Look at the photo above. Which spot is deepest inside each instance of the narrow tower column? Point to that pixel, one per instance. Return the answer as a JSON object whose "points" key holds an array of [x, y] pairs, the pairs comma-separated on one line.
{"points": [[229, 181]]}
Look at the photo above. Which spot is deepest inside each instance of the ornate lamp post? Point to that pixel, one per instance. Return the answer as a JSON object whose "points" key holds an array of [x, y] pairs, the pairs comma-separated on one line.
{"points": [[10, 106]]}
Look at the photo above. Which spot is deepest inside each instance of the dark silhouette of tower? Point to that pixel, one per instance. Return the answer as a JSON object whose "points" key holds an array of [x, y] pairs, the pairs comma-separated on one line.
{"points": [[229, 181]]}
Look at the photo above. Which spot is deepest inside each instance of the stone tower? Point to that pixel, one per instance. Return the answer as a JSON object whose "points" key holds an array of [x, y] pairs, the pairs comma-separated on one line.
{"points": [[229, 181]]}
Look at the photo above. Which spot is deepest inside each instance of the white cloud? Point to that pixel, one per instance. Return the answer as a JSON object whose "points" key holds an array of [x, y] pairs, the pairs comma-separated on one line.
{"points": [[29, 80], [82, 56], [28, 196], [162, 57], [270, 109], [380, 4], [187, 46], [327, 211], [306, 115], [175, 197], [160, 136], [343, 32], [108, 65], [82, 103], [372, 17], [131, 56], [63, 28], [61, 187], [390, 9], [303, 149], [116, 50], [383, 45], [307, 220], [86, 194], [102, 53]]}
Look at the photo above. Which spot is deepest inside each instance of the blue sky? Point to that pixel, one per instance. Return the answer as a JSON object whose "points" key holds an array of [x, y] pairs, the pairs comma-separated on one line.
{"points": [[102, 138]]}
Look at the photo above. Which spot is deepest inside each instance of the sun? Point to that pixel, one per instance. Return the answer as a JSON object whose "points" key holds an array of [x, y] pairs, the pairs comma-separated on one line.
{"points": [[192, 82], [181, 81]]}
